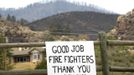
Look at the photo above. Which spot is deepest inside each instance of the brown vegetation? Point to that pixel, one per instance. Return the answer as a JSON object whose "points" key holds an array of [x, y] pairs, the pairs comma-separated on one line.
{"points": [[18, 33], [78, 22], [125, 26]]}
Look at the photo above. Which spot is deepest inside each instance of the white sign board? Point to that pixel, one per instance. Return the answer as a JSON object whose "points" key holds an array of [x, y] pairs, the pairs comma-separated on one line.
{"points": [[70, 58]]}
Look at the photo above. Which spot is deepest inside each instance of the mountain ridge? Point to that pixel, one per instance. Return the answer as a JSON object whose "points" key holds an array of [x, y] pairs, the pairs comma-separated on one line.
{"points": [[78, 22], [40, 10]]}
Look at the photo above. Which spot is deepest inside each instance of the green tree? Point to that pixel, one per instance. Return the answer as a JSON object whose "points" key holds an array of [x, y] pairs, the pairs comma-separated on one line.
{"points": [[42, 65], [13, 18], [8, 17], [4, 55], [23, 21], [0, 15]]}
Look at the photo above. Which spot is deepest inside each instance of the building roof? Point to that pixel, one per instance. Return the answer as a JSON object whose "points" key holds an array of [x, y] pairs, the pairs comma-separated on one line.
{"points": [[17, 52]]}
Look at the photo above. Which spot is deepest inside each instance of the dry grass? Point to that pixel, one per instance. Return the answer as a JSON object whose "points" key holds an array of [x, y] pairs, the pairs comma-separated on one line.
{"points": [[24, 66]]}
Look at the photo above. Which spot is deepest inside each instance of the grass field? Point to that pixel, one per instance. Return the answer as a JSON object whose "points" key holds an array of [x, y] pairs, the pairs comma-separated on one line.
{"points": [[24, 66], [117, 56]]}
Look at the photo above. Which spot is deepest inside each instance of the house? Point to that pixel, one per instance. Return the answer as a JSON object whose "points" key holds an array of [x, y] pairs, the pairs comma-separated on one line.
{"points": [[34, 55]]}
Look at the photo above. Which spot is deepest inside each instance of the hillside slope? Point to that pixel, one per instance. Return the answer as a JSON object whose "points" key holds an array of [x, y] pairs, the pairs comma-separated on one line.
{"points": [[78, 22], [18, 33], [124, 28]]}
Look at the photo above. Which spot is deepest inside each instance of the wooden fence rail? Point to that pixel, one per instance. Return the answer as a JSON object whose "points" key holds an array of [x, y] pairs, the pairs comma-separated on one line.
{"points": [[103, 42], [44, 71], [42, 44], [32, 44]]}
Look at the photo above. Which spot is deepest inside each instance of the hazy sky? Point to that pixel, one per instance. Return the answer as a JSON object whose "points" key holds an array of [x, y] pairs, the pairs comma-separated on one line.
{"points": [[119, 6]]}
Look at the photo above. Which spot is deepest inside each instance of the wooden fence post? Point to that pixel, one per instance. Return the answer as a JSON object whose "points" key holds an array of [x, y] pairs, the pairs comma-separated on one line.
{"points": [[104, 57]]}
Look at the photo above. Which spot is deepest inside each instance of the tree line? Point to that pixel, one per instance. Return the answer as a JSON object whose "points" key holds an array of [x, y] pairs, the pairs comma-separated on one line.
{"points": [[12, 18]]}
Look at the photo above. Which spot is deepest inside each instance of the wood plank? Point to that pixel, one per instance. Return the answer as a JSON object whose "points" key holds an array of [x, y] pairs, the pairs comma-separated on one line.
{"points": [[104, 56]]}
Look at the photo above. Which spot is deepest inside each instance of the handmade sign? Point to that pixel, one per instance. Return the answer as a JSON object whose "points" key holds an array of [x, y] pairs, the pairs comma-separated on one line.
{"points": [[70, 58]]}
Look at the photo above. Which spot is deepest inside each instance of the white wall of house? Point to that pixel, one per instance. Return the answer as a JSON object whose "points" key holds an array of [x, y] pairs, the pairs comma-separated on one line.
{"points": [[36, 56]]}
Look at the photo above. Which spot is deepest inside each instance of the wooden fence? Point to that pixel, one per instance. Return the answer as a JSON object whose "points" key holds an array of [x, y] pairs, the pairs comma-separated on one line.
{"points": [[103, 43]]}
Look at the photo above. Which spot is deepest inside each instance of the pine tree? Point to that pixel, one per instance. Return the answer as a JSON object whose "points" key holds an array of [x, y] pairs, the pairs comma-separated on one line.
{"points": [[13, 19], [0, 16], [23, 21], [8, 17]]}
